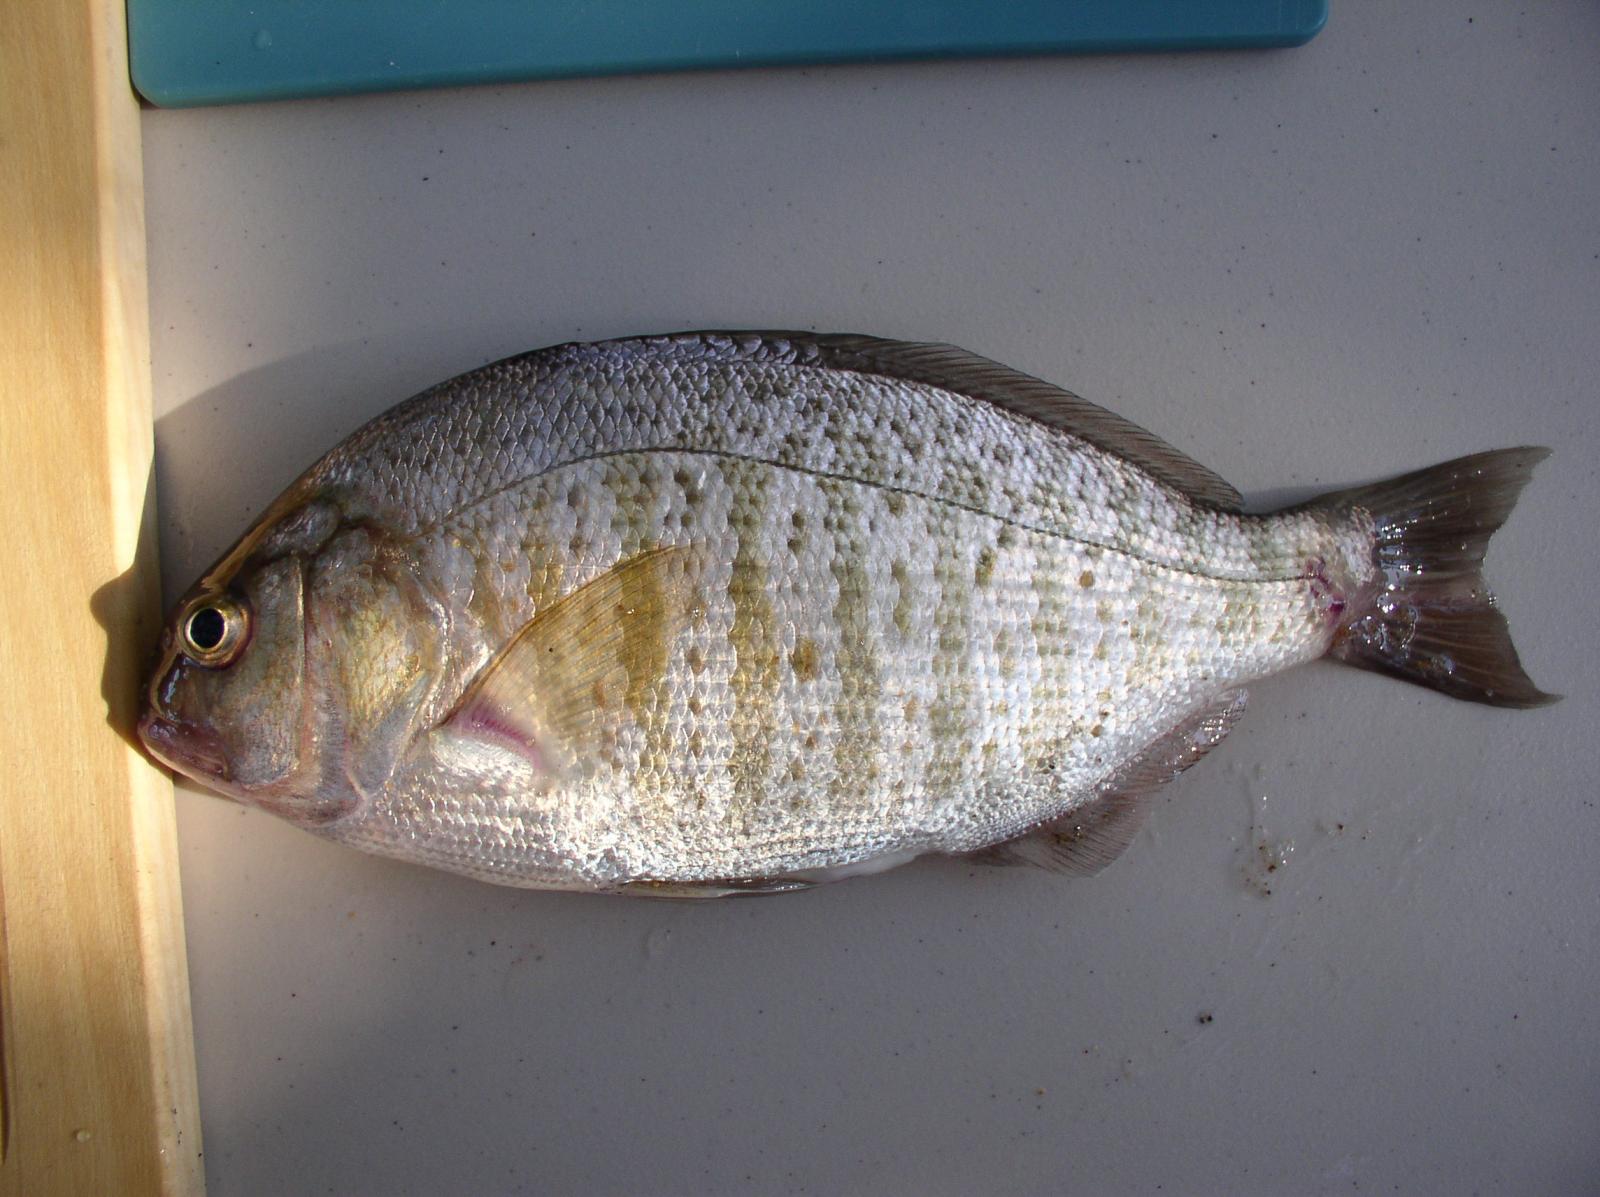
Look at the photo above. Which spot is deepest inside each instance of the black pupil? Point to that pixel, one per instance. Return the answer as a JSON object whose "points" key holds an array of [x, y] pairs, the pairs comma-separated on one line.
{"points": [[206, 627]]}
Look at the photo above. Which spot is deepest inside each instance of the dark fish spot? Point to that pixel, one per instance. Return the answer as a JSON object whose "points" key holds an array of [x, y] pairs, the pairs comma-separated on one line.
{"points": [[983, 574], [805, 660]]}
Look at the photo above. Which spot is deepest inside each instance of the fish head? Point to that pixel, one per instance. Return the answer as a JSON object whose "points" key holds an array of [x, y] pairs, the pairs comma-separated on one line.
{"points": [[226, 704], [292, 675]]}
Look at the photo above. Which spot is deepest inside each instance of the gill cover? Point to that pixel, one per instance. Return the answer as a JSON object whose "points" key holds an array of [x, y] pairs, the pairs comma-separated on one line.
{"points": [[375, 657]]}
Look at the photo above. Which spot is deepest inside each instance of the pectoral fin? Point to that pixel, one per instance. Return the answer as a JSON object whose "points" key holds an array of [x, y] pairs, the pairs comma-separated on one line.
{"points": [[1091, 836], [563, 687]]}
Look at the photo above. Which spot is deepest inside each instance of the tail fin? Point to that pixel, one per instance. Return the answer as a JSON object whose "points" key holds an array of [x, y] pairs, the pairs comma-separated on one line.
{"points": [[1432, 620]]}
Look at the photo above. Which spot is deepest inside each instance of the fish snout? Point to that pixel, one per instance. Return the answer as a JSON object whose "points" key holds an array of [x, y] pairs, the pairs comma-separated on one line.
{"points": [[187, 748]]}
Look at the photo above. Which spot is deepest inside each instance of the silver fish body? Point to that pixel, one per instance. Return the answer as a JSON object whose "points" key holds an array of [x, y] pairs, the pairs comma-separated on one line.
{"points": [[723, 611]]}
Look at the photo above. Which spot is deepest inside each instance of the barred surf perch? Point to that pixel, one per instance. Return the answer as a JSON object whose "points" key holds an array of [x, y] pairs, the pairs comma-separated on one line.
{"points": [[743, 612]]}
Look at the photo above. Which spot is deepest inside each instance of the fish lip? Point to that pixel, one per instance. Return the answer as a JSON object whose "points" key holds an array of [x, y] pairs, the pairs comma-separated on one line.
{"points": [[193, 751]]}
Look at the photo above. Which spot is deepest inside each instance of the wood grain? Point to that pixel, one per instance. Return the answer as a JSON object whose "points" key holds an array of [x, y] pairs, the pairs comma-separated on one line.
{"points": [[97, 1056]]}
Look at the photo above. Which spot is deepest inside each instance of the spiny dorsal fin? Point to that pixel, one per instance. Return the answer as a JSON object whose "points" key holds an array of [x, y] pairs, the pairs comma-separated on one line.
{"points": [[1087, 839], [954, 369], [579, 668]]}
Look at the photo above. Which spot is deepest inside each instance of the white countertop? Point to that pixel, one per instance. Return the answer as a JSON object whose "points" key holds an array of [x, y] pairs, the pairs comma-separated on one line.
{"points": [[1305, 268]]}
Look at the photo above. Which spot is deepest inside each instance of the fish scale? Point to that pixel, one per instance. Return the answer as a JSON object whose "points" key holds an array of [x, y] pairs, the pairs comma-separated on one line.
{"points": [[722, 610]]}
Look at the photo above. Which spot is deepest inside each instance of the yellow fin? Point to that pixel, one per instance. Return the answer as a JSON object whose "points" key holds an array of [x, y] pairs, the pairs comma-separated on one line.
{"points": [[559, 692]]}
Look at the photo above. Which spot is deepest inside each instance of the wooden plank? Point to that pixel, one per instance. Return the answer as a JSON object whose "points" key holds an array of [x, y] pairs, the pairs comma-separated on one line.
{"points": [[97, 1056]]}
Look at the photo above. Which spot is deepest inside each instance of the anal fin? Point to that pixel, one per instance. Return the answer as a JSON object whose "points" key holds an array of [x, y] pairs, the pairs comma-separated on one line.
{"points": [[1095, 833], [744, 887]]}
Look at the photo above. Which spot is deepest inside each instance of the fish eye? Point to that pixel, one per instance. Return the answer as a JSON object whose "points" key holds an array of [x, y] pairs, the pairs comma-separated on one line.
{"points": [[213, 631]]}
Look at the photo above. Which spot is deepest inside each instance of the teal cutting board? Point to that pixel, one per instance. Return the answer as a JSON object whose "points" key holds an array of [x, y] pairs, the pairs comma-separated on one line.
{"points": [[189, 52]]}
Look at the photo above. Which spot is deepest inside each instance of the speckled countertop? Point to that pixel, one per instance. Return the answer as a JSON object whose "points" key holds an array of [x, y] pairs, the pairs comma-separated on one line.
{"points": [[1305, 268]]}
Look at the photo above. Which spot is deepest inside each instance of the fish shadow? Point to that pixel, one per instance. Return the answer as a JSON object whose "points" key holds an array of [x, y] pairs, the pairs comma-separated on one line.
{"points": [[218, 460], [227, 452], [223, 456], [1266, 502], [225, 430], [127, 608]]}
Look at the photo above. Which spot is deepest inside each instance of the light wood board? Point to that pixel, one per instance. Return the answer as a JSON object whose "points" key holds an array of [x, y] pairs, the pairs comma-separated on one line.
{"points": [[98, 1055]]}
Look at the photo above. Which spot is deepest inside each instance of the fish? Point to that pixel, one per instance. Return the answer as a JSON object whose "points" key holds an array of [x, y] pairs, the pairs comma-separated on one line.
{"points": [[725, 613]]}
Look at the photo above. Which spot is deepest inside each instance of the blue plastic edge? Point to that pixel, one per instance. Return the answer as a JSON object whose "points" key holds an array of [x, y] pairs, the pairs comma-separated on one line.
{"points": [[187, 53]]}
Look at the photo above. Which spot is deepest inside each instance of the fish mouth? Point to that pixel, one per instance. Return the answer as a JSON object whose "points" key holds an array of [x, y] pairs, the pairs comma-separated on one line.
{"points": [[193, 751]]}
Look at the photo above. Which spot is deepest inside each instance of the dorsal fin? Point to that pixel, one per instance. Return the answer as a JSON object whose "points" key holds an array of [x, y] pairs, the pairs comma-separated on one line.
{"points": [[954, 369], [1088, 838]]}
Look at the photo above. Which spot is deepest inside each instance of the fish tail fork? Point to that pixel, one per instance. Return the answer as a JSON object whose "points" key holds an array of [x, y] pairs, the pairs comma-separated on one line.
{"points": [[1428, 617]]}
